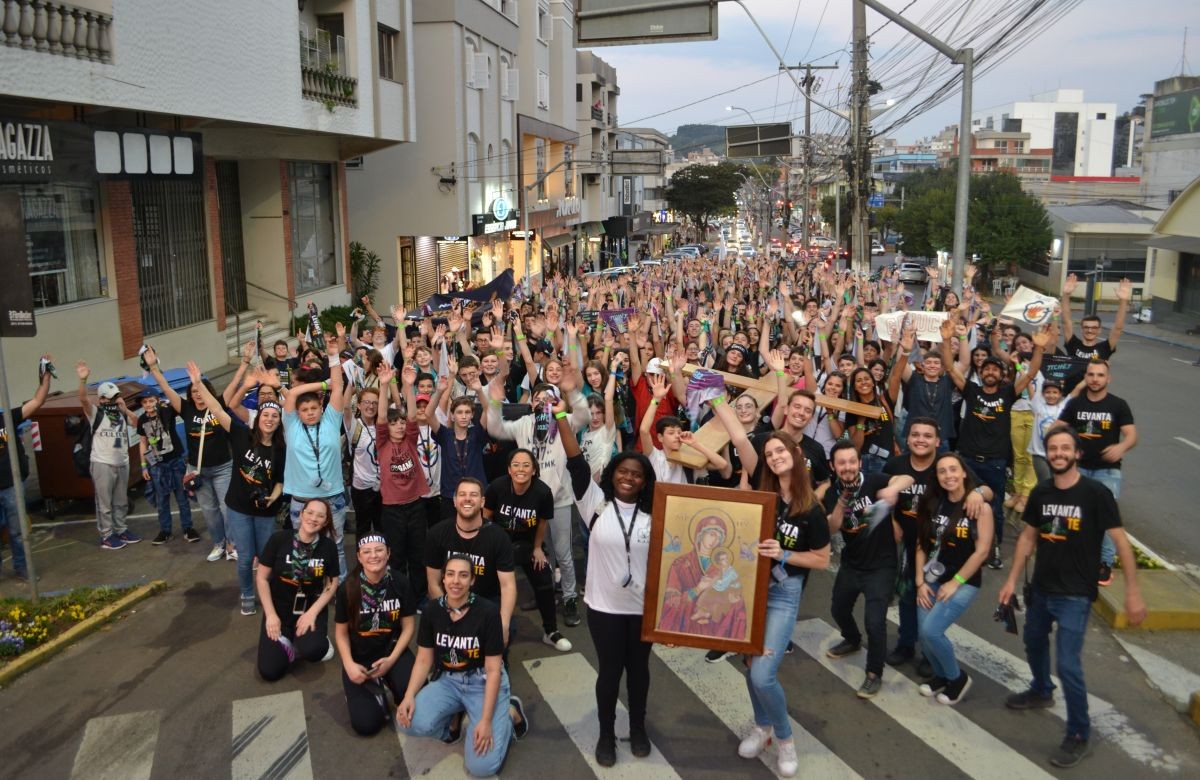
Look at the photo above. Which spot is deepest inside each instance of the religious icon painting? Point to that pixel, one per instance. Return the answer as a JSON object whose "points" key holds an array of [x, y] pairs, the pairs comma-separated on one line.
{"points": [[706, 585]]}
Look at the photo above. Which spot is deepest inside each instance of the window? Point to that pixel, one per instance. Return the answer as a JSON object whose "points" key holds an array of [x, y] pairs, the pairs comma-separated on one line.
{"points": [[314, 236], [578, 93], [545, 28], [60, 240], [1066, 126], [1011, 125], [539, 156], [387, 52], [472, 165], [509, 9], [1123, 257], [510, 81], [568, 171], [478, 66], [1102, 115], [543, 89]]}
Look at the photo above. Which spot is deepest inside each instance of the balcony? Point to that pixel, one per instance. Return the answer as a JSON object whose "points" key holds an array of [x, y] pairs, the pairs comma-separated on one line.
{"points": [[323, 74], [57, 28], [598, 114]]}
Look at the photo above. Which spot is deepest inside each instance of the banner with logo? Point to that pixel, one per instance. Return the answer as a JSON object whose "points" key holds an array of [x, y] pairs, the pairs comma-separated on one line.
{"points": [[1030, 307], [928, 324], [617, 319]]}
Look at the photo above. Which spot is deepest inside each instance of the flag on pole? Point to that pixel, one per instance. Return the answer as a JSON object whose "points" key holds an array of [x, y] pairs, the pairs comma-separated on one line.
{"points": [[1030, 307]]}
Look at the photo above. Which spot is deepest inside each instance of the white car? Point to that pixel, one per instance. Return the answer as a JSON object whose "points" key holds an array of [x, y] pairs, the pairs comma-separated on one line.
{"points": [[747, 250], [877, 248]]}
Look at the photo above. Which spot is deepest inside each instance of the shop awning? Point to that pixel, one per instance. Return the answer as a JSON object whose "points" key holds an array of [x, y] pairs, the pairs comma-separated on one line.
{"points": [[591, 229], [660, 228], [554, 242], [1174, 243]]}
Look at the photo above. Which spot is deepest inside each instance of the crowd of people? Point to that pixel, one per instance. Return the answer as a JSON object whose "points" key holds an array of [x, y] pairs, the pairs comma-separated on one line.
{"points": [[499, 434]]}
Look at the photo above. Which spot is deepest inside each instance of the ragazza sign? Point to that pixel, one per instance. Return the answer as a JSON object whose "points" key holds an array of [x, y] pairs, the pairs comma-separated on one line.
{"points": [[26, 148], [33, 151]]}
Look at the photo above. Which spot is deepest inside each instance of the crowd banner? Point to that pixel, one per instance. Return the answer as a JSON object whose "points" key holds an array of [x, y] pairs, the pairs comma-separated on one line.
{"points": [[928, 324], [1030, 307]]}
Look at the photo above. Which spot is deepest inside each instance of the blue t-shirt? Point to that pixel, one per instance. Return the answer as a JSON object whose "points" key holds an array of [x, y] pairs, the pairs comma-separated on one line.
{"points": [[300, 473], [461, 458]]}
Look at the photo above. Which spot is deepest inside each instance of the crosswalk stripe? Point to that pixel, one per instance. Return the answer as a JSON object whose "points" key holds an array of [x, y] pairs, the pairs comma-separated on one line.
{"points": [[136, 733], [270, 738], [432, 758], [954, 736], [723, 689], [1013, 673], [567, 684]]}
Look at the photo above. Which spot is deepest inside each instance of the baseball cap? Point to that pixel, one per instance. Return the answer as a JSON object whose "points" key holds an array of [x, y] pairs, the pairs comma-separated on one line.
{"points": [[656, 366], [422, 397], [542, 346], [995, 361], [1052, 383], [108, 391]]}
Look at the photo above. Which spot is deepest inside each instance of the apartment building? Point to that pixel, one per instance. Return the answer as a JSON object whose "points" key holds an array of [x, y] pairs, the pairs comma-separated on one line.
{"points": [[649, 222], [1077, 135], [596, 95]]}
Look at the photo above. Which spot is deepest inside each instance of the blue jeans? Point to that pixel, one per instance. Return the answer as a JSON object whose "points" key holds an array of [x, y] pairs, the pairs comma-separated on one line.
{"points": [[933, 624], [906, 603], [11, 518], [993, 472], [766, 693], [1071, 614], [1111, 479], [211, 498], [873, 464], [337, 503], [455, 692], [168, 481], [249, 534]]}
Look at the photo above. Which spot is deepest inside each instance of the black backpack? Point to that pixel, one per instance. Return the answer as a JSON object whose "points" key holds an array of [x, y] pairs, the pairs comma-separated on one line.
{"points": [[81, 453]]}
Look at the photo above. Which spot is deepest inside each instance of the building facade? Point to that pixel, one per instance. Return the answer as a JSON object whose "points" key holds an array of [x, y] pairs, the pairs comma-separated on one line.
{"points": [[596, 95], [1078, 134]]}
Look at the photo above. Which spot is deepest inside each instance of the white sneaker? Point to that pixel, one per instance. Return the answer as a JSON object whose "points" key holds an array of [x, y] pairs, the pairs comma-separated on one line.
{"points": [[231, 553], [329, 657], [755, 741], [217, 552], [788, 763], [558, 642]]}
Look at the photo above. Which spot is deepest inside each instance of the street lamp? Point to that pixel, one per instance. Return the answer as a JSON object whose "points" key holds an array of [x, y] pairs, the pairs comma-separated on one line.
{"points": [[744, 111]]}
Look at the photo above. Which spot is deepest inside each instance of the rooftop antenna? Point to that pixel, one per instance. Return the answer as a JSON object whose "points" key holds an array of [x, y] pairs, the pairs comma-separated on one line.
{"points": [[1183, 60]]}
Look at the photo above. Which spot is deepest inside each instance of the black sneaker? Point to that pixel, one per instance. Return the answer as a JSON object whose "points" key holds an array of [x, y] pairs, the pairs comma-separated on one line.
{"points": [[1029, 700], [1105, 576], [716, 656], [606, 750], [871, 686], [791, 648], [994, 562], [522, 728], [456, 730], [162, 538], [955, 690], [639, 741], [191, 535], [571, 613], [900, 655], [925, 669], [932, 688], [843, 649], [1070, 752]]}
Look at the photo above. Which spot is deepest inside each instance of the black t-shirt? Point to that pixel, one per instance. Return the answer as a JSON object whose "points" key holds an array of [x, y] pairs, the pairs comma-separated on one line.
{"points": [[286, 367], [6, 477], [519, 514], [256, 468], [216, 444], [381, 614], [462, 645], [490, 550], [957, 540], [906, 507], [1071, 524], [801, 532], [879, 436], [814, 457], [865, 551], [986, 429], [161, 437], [1100, 350], [1098, 424], [298, 567]]}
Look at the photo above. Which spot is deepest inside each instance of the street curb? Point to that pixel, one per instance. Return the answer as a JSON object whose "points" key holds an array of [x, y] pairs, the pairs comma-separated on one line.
{"points": [[1172, 602], [1161, 340], [1195, 710], [76, 632]]}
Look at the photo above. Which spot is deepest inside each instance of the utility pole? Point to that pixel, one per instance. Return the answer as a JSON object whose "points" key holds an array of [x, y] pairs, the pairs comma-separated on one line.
{"points": [[808, 82], [860, 135]]}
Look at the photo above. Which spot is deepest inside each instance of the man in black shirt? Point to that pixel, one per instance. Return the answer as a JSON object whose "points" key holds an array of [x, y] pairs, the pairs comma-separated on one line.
{"points": [[1089, 345], [868, 559], [163, 465], [1066, 517], [1104, 424], [9, 515], [985, 436], [792, 419], [487, 545]]}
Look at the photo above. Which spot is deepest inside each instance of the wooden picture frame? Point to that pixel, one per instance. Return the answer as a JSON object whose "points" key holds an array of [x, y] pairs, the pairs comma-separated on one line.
{"points": [[729, 612]]}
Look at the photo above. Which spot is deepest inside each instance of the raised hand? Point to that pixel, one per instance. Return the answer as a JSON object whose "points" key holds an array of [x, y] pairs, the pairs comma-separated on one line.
{"points": [[408, 376], [1125, 290], [947, 328], [775, 360], [82, 371], [1069, 284], [658, 386], [193, 372]]}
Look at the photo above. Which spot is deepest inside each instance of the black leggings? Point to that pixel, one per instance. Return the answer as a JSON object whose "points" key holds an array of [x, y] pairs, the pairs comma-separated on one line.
{"points": [[620, 649], [273, 662], [367, 506], [404, 527], [368, 704], [542, 582]]}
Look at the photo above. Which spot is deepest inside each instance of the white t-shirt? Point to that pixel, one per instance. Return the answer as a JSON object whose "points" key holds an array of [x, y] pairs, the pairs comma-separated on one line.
{"points": [[1044, 415], [110, 441], [366, 458], [597, 448], [431, 459], [607, 566], [665, 470]]}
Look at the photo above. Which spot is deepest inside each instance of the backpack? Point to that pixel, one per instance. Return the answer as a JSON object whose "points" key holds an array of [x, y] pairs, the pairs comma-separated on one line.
{"points": [[81, 453]]}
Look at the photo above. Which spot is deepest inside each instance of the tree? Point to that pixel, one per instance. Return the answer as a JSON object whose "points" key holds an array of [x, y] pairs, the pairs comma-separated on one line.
{"points": [[702, 192], [828, 208], [364, 270], [885, 219]]}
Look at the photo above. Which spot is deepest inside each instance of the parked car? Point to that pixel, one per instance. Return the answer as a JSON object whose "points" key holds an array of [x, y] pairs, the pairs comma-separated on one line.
{"points": [[877, 248], [911, 273], [616, 270]]}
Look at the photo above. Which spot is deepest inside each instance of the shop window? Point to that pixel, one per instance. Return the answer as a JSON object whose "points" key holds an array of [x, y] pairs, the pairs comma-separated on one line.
{"points": [[61, 239], [314, 236]]}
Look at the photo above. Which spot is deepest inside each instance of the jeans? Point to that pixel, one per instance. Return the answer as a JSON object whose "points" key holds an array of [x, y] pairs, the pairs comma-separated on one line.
{"points": [[404, 527], [1111, 479], [1071, 614], [619, 651], [249, 534], [112, 497], [12, 519], [873, 464], [168, 481], [906, 603], [337, 503], [877, 586], [454, 692], [562, 553], [767, 696], [993, 472], [933, 624], [1024, 477], [210, 496], [1041, 468]]}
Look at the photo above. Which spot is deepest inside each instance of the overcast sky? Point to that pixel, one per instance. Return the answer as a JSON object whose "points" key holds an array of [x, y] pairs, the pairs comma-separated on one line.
{"points": [[1112, 49]]}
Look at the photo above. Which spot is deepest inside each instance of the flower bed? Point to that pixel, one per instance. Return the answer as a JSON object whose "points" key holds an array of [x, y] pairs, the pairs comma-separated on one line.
{"points": [[24, 625]]}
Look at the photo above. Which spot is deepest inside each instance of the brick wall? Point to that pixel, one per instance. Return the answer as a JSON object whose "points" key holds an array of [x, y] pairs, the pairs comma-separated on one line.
{"points": [[285, 198], [213, 207], [118, 200]]}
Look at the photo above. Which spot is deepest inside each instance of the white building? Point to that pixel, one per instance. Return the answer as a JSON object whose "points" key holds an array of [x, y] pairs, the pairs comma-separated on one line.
{"points": [[596, 121], [649, 222], [1078, 133], [196, 166]]}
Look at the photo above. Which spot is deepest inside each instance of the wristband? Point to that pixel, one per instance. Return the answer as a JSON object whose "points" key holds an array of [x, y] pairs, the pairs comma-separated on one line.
{"points": [[717, 401], [560, 415], [143, 464], [392, 381], [498, 352], [780, 373], [959, 579], [654, 402], [324, 386], [335, 362], [496, 403], [520, 338]]}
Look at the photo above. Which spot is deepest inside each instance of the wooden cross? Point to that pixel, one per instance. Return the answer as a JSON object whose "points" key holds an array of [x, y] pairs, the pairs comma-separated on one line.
{"points": [[713, 434]]}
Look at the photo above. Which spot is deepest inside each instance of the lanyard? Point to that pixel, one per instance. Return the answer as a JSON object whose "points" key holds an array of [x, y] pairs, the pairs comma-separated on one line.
{"points": [[315, 443], [628, 534]]}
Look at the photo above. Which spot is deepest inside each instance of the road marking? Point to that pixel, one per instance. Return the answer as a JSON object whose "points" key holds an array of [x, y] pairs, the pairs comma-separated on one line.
{"points": [[1013, 673], [945, 730], [120, 747], [723, 689], [1191, 444], [270, 739], [1172, 680], [1185, 362], [567, 683]]}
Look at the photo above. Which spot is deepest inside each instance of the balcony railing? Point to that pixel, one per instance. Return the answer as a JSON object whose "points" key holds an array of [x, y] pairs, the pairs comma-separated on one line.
{"points": [[57, 28], [323, 73], [598, 114]]}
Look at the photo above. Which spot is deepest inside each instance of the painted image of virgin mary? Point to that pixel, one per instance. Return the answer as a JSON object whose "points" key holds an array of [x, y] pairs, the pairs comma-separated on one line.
{"points": [[688, 606]]}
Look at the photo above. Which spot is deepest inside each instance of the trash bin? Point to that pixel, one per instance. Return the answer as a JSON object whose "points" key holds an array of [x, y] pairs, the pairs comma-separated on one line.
{"points": [[56, 470]]}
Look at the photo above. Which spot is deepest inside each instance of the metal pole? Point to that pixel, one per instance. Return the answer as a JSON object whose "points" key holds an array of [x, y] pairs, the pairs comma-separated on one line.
{"points": [[525, 229], [859, 134], [807, 153], [962, 197], [14, 463], [837, 213]]}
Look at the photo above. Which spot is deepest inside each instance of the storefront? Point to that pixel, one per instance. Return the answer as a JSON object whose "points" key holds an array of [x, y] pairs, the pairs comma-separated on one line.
{"points": [[1174, 264], [491, 252], [552, 239]]}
